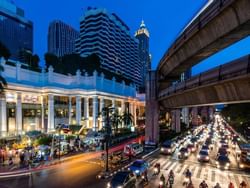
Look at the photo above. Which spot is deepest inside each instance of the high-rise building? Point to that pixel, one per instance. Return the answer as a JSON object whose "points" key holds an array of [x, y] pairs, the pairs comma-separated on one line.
{"points": [[106, 35], [142, 35], [16, 32], [61, 38]]}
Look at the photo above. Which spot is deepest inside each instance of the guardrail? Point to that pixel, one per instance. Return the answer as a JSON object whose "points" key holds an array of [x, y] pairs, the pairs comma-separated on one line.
{"points": [[235, 68]]}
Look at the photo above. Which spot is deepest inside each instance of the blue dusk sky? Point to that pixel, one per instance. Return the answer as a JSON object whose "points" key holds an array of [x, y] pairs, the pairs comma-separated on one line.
{"points": [[164, 19]]}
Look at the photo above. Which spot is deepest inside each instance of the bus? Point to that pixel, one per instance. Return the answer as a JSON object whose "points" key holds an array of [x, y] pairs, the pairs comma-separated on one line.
{"points": [[133, 149]]}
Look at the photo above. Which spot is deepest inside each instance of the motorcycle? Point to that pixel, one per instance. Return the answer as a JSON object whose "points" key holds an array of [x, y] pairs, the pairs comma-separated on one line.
{"points": [[186, 181], [161, 184], [156, 169], [144, 180], [171, 181]]}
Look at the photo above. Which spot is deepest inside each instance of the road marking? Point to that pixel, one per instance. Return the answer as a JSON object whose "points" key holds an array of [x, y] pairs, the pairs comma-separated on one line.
{"points": [[167, 165], [179, 169], [213, 176], [184, 169], [198, 175]]}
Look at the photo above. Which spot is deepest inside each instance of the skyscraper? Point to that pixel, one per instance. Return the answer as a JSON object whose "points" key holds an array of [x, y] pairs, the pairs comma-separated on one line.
{"points": [[106, 35], [142, 35], [61, 38], [16, 32]]}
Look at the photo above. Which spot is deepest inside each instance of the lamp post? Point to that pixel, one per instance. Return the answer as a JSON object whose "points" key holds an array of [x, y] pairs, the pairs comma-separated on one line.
{"points": [[105, 113]]}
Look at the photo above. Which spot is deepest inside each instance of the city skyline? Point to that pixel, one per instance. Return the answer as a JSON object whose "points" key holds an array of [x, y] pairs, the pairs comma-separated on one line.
{"points": [[163, 30]]}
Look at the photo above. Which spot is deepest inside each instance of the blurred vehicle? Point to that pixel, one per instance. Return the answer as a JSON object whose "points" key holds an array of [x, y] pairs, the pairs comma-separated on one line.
{"points": [[223, 162], [244, 156], [203, 156], [183, 153], [222, 151], [191, 148], [122, 179], [168, 147], [205, 147], [139, 167], [133, 149]]}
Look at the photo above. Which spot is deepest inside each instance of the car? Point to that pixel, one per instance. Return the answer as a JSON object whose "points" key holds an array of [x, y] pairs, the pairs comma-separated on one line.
{"points": [[183, 153], [168, 147], [122, 179], [138, 167], [205, 147], [226, 146], [223, 162], [203, 156], [191, 148], [222, 151]]}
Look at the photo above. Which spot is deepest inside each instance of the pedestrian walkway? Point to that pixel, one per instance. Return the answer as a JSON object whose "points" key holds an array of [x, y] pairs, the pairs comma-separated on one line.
{"points": [[210, 174]]}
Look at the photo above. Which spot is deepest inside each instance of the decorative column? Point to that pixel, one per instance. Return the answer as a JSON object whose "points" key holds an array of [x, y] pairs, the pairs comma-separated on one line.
{"points": [[19, 123], [102, 105], [51, 113], [86, 111], [113, 103], [78, 110], [123, 110], [3, 117], [42, 114], [70, 108], [95, 113]]}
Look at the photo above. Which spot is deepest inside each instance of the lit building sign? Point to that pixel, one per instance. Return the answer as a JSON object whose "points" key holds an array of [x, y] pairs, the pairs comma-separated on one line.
{"points": [[30, 99]]}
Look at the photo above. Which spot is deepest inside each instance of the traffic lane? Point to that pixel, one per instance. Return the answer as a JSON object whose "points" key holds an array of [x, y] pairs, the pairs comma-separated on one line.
{"points": [[65, 176]]}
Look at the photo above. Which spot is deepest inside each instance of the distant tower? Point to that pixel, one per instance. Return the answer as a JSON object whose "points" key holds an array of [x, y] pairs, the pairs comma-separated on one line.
{"points": [[142, 35]]}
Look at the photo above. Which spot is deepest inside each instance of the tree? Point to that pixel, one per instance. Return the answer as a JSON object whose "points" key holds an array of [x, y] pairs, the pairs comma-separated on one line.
{"points": [[127, 118], [116, 120], [35, 61], [51, 59], [4, 51]]}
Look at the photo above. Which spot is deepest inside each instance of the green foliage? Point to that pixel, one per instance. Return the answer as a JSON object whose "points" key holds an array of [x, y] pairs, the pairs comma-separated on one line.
{"points": [[128, 119], [237, 113], [46, 140], [70, 63]]}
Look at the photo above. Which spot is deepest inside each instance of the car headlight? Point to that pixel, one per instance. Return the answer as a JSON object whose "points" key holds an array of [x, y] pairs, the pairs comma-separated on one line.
{"points": [[207, 157], [161, 183], [217, 162], [186, 154], [119, 186], [137, 171], [241, 166], [162, 149], [108, 185], [128, 168], [179, 153], [198, 156], [227, 164]]}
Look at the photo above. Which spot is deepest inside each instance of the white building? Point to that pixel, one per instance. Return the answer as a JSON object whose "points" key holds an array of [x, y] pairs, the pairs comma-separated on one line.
{"points": [[41, 100]]}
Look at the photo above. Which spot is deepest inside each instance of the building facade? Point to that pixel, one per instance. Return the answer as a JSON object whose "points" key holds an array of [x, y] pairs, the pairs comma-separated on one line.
{"points": [[42, 100], [108, 36], [142, 35], [16, 32], [61, 38]]}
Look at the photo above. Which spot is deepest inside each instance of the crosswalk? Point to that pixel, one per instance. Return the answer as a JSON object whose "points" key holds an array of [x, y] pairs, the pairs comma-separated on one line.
{"points": [[199, 172]]}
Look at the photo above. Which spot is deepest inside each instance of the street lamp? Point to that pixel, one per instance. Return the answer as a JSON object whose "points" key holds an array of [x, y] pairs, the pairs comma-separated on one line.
{"points": [[108, 131]]}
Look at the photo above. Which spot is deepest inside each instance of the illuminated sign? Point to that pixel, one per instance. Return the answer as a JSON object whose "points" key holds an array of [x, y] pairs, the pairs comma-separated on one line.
{"points": [[30, 99], [10, 97]]}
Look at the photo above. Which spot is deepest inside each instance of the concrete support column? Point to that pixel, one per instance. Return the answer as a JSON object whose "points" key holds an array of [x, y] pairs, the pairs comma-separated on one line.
{"points": [[204, 114], [211, 112], [95, 114], [123, 107], [86, 111], [185, 115], [51, 112], [78, 110], [131, 108], [194, 114], [176, 123], [42, 114], [19, 121], [3, 117]]}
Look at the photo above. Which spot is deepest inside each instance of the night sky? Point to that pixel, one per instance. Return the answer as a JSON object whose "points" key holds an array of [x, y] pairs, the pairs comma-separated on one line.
{"points": [[164, 19]]}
